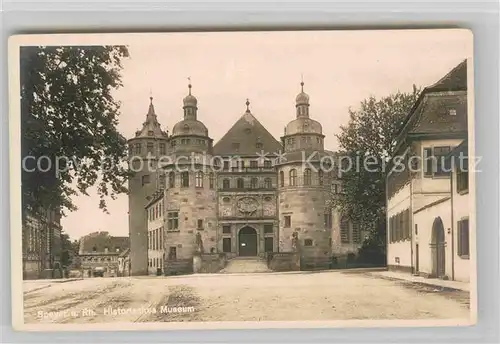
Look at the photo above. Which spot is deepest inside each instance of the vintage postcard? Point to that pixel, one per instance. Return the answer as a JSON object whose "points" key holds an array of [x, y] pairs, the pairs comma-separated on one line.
{"points": [[243, 179]]}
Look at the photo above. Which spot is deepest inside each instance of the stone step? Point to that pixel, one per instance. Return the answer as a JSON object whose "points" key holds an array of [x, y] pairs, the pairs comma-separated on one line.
{"points": [[245, 265]]}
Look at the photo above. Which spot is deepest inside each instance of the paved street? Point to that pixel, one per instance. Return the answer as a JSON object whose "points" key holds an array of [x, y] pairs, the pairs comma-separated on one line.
{"points": [[331, 295]]}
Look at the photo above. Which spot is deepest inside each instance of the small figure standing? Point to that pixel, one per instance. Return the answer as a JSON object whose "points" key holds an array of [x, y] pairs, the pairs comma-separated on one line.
{"points": [[199, 243]]}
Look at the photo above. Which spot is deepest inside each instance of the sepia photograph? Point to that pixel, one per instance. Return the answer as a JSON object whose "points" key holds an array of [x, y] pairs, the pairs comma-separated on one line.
{"points": [[243, 179]]}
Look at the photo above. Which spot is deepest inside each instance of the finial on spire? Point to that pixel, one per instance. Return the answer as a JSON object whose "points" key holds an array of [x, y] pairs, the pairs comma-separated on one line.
{"points": [[302, 82], [189, 84], [248, 104]]}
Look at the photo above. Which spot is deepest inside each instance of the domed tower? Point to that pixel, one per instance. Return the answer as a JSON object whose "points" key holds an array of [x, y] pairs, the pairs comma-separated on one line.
{"points": [[302, 188], [190, 187], [145, 148]]}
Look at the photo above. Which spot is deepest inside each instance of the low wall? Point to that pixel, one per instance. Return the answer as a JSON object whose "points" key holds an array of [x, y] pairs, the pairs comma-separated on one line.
{"points": [[178, 267], [315, 263], [209, 263], [283, 261]]}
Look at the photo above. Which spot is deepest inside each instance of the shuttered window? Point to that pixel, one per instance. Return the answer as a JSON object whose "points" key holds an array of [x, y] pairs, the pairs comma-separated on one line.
{"points": [[463, 239]]}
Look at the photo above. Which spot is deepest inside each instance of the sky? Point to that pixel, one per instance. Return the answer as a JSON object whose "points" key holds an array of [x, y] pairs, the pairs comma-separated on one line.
{"points": [[339, 70]]}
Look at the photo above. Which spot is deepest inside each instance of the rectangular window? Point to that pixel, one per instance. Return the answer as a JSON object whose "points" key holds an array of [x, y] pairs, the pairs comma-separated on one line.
{"points": [[226, 229], [163, 149], [268, 229], [235, 146], [211, 180], [328, 220], [356, 235], [200, 224], [226, 165], [269, 244], [288, 221], [145, 179], [160, 242], [442, 167], [335, 188], [267, 163], [226, 245], [173, 220], [254, 164], [185, 179], [427, 162], [150, 147], [137, 148], [198, 179], [463, 239], [462, 176], [308, 242]]}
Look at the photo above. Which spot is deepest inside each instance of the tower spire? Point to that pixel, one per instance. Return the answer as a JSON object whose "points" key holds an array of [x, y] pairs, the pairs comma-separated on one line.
{"points": [[248, 105], [189, 84], [151, 110]]}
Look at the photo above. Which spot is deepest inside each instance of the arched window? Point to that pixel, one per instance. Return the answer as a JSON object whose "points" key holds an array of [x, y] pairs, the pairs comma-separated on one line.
{"points": [[293, 177], [240, 183], [344, 230], [268, 183], [253, 183], [171, 179], [185, 179], [282, 178], [321, 177], [198, 179], [307, 176], [225, 184]]}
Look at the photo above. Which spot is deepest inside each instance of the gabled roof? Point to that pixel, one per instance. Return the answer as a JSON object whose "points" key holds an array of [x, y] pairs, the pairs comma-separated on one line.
{"points": [[246, 133], [429, 114], [455, 80]]}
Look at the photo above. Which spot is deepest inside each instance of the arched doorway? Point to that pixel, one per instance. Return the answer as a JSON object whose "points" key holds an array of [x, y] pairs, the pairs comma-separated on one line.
{"points": [[438, 251], [247, 241]]}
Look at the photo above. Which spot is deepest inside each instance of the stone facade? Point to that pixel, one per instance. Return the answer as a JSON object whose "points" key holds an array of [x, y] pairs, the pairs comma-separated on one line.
{"points": [[230, 197], [99, 254], [42, 245], [427, 216]]}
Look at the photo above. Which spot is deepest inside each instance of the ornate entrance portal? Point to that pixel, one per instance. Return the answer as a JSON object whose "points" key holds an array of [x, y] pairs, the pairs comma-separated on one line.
{"points": [[247, 242]]}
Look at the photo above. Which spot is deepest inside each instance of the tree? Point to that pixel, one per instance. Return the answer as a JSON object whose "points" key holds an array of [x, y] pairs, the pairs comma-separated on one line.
{"points": [[67, 252], [68, 125], [367, 141]]}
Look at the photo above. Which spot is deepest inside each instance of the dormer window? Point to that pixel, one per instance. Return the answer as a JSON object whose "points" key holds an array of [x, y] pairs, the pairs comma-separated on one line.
{"points": [[151, 133], [258, 145], [236, 145]]}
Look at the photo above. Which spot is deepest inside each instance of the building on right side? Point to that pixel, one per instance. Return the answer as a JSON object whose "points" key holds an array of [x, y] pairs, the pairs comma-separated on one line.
{"points": [[427, 186]]}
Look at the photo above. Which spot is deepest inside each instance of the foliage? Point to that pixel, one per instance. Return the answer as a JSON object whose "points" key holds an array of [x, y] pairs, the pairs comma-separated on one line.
{"points": [[69, 250], [368, 140], [68, 114]]}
